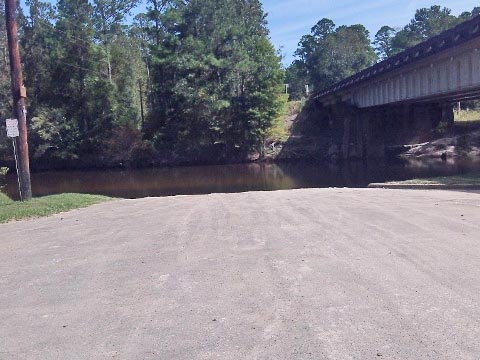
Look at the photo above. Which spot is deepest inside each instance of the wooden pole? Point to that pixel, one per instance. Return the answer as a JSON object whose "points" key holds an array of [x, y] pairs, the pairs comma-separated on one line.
{"points": [[19, 95]]}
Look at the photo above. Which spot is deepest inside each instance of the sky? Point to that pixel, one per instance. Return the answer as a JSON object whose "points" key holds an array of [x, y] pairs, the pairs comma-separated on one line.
{"points": [[289, 20]]}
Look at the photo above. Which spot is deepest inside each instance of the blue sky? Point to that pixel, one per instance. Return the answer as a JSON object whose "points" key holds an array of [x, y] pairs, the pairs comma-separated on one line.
{"points": [[289, 20]]}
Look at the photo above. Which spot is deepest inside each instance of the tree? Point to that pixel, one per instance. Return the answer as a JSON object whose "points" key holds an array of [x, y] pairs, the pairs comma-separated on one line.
{"points": [[38, 44], [430, 22], [215, 77], [330, 54], [77, 62], [426, 23], [5, 92], [467, 15], [323, 28], [296, 78], [383, 42], [108, 17], [4, 67]]}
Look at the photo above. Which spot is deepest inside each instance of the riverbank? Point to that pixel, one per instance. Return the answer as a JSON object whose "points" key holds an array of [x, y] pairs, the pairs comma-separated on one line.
{"points": [[462, 142], [459, 145], [456, 182], [45, 206]]}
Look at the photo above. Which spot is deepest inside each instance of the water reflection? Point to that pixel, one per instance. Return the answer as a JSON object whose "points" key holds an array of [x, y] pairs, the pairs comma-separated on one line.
{"points": [[234, 178]]}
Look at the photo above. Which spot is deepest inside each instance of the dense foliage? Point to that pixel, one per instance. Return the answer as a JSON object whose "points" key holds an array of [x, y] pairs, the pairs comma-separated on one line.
{"points": [[329, 53], [215, 78], [3, 173], [185, 81]]}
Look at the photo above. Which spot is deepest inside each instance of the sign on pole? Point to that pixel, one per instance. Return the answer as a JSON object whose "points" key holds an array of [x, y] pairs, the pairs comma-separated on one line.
{"points": [[12, 132], [12, 128]]}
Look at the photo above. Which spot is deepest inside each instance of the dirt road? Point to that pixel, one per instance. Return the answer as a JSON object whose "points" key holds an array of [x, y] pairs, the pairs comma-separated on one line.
{"points": [[301, 274]]}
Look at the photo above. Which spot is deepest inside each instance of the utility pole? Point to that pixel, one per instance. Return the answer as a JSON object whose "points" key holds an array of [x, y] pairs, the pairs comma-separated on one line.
{"points": [[19, 95]]}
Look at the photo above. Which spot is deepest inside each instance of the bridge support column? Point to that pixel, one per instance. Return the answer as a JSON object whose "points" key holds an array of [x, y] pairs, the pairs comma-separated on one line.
{"points": [[375, 146], [352, 132], [406, 120], [341, 122], [365, 133], [347, 127], [358, 133], [448, 116]]}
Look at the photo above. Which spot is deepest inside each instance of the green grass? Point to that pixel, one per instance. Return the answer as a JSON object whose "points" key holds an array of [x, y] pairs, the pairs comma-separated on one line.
{"points": [[280, 127], [45, 206], [467, 179], [466, 116], [295, 106]]}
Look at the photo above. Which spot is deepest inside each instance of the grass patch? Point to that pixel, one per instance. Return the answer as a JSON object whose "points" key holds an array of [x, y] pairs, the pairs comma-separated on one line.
{"points": [[45, 206], [279, 130], [467, 116], [467, 179], [296, 106]]}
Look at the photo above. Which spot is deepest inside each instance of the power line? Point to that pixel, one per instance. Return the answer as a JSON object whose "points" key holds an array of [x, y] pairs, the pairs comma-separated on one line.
{"points": [[71, 42], [47, 47], [57, 60], [51, 26], [69, 37], [44, 22], [79, 67]]}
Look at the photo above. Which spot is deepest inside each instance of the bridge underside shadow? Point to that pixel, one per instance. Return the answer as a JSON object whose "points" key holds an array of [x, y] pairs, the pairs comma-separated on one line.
{"points": [[342, 131], [366, 133]]}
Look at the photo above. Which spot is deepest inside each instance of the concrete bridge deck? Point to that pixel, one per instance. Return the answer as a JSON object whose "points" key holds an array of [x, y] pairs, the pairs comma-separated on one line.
{"points": [[302, 274]]}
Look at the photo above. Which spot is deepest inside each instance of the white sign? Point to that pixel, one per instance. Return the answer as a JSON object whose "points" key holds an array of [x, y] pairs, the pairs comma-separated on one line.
{"points": [[12, 128]]}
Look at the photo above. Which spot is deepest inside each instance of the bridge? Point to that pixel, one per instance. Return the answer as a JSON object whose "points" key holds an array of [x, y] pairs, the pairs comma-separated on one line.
{"points": [[404, 97]]}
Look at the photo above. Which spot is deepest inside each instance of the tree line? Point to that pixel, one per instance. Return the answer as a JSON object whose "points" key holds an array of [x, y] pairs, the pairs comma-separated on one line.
{"points": [[194, 81], [185, 81], [330, 53]]}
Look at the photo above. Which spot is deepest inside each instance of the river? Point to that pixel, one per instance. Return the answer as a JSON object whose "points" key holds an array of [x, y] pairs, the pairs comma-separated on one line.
{"points": [[233, 178]]}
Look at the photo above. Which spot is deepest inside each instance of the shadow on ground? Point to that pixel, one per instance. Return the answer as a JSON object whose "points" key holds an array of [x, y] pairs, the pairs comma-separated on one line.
{"points": [[308, 138]]}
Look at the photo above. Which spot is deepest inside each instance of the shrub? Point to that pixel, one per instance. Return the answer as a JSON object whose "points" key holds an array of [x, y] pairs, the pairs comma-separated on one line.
{"points": [[141, 154], [53, 136], [127, 148], [3, 173]]}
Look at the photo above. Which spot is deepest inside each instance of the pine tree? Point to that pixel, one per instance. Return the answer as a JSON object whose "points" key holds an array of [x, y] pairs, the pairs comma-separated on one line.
{"points": [[215, 77]]}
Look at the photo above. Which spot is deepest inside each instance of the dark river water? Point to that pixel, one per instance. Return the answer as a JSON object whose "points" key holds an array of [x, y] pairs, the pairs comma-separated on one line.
{"points": [[233, 178]]}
